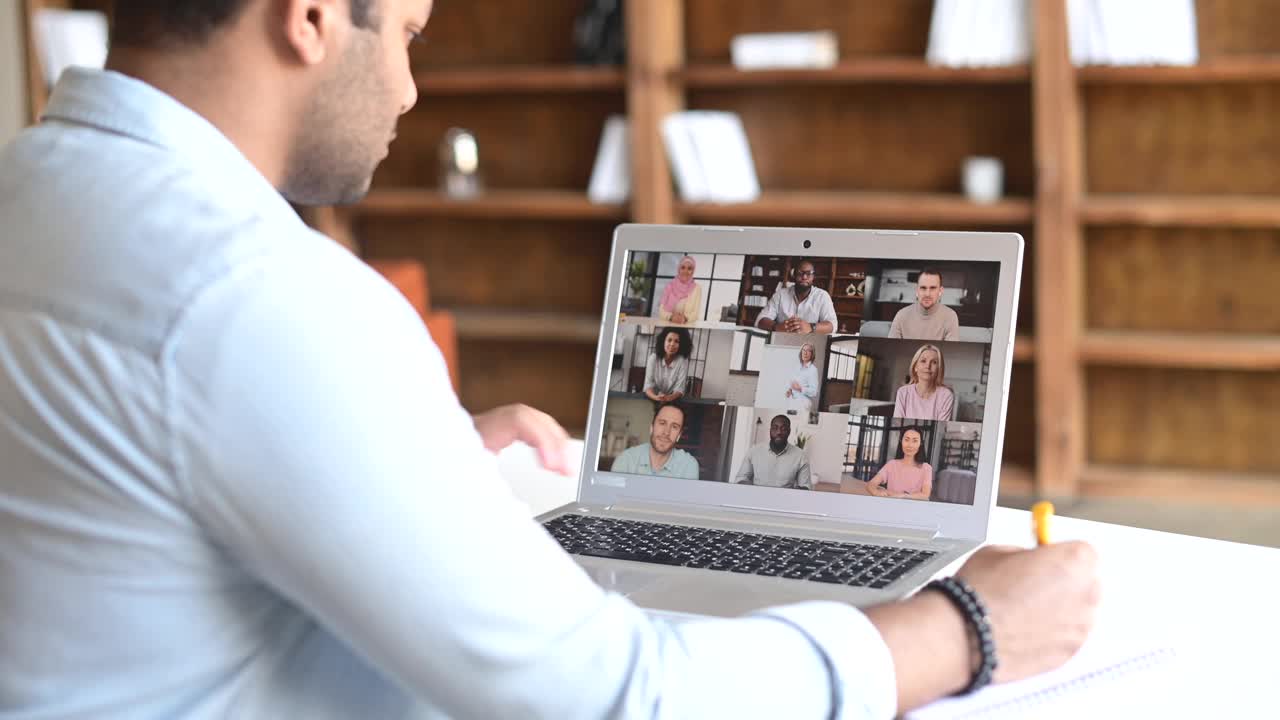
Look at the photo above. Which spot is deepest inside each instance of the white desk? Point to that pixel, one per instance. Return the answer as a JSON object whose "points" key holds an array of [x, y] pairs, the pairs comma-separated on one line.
{"points": [[1217, 602]]}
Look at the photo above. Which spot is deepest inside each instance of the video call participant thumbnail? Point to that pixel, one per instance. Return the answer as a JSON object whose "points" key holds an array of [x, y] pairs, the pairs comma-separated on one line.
{"points": [[660, 456]]}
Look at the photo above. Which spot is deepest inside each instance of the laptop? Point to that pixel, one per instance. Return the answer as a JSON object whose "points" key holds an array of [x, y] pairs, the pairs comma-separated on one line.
{"points": [[790, 414]]}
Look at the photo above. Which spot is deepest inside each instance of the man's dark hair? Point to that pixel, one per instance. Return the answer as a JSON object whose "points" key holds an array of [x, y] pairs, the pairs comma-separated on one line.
{"points": [[932, 271], [160, 23], [659, 406], [783, 418]]}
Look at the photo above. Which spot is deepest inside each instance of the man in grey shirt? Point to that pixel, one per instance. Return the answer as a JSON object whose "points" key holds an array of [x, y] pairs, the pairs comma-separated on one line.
{"points": [[776, 463], [927, 318], [800, 308]]}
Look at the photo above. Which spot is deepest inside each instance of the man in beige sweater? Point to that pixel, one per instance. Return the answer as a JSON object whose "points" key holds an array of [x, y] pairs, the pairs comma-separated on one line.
{"points": [[927, 318]]}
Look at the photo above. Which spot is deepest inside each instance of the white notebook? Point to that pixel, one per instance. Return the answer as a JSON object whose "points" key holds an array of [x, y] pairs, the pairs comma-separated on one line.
{"points": [[1098, 683]]}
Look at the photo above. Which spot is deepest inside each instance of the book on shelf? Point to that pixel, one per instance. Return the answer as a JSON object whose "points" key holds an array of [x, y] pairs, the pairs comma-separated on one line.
{"points": [[710, 157], [64, 38], [979, 33], [611, 173], [786, 50], [1133, 32]]}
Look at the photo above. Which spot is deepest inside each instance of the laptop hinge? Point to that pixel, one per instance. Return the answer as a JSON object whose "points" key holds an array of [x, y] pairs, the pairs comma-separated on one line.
{"points": [[781, 519]]}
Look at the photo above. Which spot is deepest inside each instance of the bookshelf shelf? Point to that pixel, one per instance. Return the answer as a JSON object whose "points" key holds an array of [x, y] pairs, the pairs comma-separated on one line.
{"points": [[521, 79], [490, 324], [908, 69], [813, 206], [1181, 350], [524, 204], [1233, 211], [1202, 486], [1227, 69]]}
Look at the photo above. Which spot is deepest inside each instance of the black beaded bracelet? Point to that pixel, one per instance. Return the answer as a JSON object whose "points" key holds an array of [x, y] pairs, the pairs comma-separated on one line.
{"points": [[975, 614]]}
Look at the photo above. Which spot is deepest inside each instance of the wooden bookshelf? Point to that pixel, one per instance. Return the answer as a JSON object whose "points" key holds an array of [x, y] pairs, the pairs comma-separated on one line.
{"points": [[547, 79], [861, 208], [913, 70], [1148, 196], [1258, 353], [1212, 71], [522, 325], [537, 204], [1212, 211]]}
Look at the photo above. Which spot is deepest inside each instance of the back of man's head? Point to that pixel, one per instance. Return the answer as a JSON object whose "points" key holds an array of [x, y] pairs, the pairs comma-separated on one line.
{"points": [[175, 23]]}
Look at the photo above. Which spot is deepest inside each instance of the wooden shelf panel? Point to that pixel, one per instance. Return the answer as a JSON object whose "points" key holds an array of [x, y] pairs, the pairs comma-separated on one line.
{"points": [[527, 204], [1240, 68], [1017, 480], [1200, 486], [1024, 348], [818, 206], [1226, 211], [522, 79], [517, 325], [1181, 350], [869, 70]]}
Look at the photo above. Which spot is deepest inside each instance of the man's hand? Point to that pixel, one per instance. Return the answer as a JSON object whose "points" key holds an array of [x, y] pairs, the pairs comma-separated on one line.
{"points": [[797, 325], [1041, 602], [504, 425]]}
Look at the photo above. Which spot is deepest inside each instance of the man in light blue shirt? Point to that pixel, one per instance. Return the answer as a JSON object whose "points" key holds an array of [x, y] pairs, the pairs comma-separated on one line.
{"points": [[660, 456], [235, 481]]}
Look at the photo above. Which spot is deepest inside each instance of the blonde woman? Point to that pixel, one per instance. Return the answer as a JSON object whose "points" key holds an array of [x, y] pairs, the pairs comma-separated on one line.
{"points": [[926, 397], [681, 301], [802, 392]]}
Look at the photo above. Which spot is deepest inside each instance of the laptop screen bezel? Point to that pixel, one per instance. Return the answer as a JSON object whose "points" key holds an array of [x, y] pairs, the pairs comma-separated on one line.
{"points": [[968, 522]]}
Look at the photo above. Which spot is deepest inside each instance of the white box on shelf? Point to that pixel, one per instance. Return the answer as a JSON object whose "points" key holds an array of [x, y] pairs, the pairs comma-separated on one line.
{"points": [[767, 51]]}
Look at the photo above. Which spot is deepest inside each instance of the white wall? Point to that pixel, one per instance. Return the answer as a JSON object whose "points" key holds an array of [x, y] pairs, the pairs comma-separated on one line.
{"points": [[13, 87], [715, 381]]}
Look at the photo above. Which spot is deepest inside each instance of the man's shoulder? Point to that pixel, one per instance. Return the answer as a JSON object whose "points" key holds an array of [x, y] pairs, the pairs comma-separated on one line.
{"points": [[634, 452], [903, 313], [950, 312]]}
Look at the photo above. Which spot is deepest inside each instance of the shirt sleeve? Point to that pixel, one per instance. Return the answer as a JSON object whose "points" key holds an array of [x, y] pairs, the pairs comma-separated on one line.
{"points": [[770, 311], [946, 404], [803, 476], [827, 311], [624, 463], [319, 444], [809, 381], [680, 375], [899, 407], [746, 473], [895, 329], [952, 329], [650, 370], [693, 304]]}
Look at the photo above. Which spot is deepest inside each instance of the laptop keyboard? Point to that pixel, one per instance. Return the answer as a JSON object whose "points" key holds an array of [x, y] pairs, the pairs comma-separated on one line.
{"points": [[844, 563]]}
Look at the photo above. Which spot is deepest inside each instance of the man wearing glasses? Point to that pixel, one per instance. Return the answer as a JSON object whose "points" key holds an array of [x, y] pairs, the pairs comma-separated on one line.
{"points": [[800, 307]]}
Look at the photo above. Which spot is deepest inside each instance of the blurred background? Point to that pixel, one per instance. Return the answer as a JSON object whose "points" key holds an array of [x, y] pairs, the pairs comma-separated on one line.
{"points": [[1133, 144]]}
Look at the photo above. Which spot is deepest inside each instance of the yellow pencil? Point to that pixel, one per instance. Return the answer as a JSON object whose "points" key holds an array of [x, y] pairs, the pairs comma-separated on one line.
{"points": [[1041, 519]]}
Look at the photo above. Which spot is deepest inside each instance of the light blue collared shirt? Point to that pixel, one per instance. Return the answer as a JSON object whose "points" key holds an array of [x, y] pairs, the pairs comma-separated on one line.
{"points": [[235, 482], [636, 462]]}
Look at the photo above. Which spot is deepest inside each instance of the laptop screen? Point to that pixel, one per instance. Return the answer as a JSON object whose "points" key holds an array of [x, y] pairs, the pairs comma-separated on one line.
{"points": [[865, 376]]}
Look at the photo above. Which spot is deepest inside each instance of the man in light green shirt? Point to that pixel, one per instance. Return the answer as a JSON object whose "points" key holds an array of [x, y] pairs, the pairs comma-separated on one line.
{"points": [[660, 456], [776, 463]]}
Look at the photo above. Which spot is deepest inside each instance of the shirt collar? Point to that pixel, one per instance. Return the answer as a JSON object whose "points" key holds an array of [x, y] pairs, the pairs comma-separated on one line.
{"points": [[921, 309], [114, 102]]}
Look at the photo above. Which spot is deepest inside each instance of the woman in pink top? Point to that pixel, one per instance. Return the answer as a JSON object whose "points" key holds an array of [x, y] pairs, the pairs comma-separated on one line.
{"points": [[926, 397], [907, 476]]}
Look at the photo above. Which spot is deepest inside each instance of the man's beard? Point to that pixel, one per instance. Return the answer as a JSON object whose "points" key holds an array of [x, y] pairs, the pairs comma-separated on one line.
{"points": [[778, 445], [332, 159]]}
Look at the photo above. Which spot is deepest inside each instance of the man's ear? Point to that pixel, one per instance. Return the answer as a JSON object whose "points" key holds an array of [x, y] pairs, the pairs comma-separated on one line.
{"points": [[312, 26]]}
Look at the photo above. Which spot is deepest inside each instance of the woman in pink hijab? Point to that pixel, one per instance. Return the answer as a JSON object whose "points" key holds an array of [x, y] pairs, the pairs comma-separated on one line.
{"points": [[681, 301]]}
